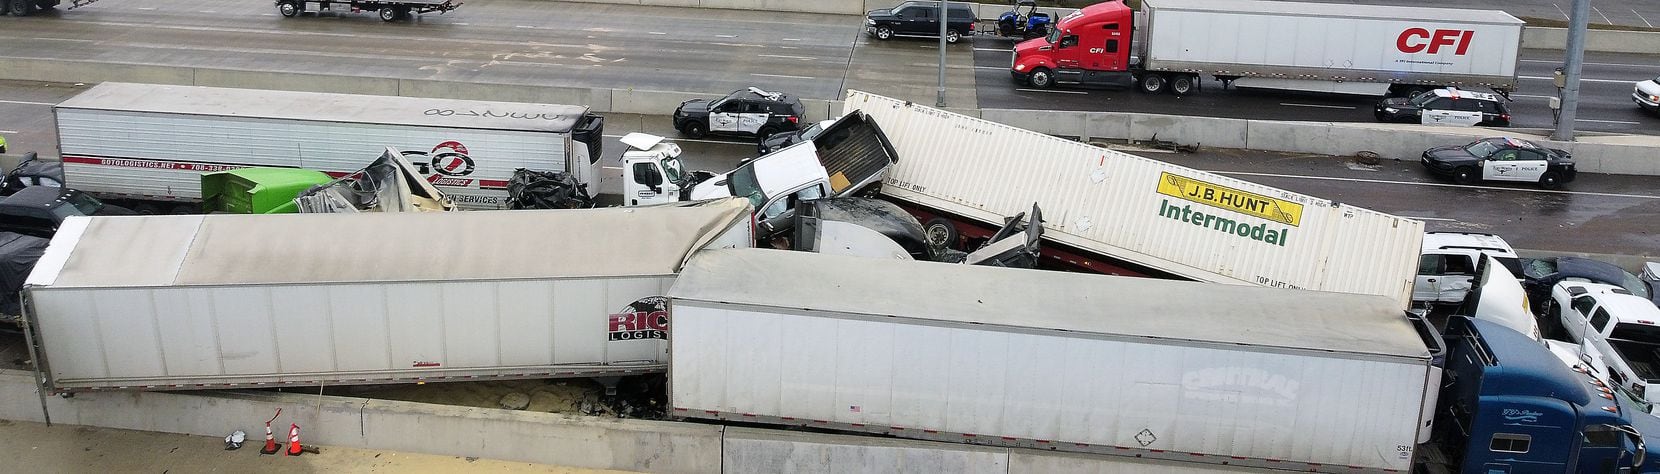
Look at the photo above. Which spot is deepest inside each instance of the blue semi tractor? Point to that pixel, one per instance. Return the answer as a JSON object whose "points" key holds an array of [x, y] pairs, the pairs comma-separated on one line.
{"points": [[1509, 406]]}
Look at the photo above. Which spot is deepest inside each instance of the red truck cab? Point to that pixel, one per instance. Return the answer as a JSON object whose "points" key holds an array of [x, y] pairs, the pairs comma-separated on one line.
{"points": [[1089, 46]]}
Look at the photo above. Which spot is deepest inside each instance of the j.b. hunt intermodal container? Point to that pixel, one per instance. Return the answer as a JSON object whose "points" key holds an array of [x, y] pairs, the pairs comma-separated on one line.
{"points": [[224, 300], [1178, 370], [1114, 212]]}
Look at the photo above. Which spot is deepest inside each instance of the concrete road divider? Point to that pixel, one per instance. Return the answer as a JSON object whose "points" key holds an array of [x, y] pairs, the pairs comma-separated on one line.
{"points": [[48, 70], [1624, 154], [597, 99], [546, 438], [289, 81], [758, 451]]}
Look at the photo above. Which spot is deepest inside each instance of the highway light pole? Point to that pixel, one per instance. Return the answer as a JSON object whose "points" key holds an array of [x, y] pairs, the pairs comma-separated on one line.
{"points": [[939, 101], [1577, 23]]}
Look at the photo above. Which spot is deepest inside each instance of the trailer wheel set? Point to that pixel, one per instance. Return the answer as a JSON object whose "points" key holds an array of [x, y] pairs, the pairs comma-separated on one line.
{"points": [[387, 11], [1178, 83]]}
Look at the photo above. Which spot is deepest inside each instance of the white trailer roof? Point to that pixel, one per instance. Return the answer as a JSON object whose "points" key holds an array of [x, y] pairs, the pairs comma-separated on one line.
{"points": [[327, 107], [1062, 301], [234, 249], [1343, 10]]}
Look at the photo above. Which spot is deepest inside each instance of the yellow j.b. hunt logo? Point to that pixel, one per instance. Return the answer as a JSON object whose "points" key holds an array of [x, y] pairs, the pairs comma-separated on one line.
{"points": [[1277, 210]]}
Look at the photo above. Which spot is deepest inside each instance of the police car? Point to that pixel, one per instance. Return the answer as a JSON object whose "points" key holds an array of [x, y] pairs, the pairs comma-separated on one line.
{"points": [[1448, 106], [752, 112], [1501, 159]]}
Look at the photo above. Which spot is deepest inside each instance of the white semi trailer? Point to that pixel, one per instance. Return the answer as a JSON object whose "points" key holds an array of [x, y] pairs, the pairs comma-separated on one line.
{"points": [[226, 300], [147, 145], [1223, 374]]}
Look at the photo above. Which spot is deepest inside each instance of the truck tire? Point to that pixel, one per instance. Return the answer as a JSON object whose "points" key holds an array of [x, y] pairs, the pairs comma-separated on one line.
{"points": [[43, 5], [940, 233], [952, 36], [388, 14], [1153, 83], [1184, 84], [289, 9], [884, 33], [146, 209], [695, 130], [19, 7], [1041, 78]]}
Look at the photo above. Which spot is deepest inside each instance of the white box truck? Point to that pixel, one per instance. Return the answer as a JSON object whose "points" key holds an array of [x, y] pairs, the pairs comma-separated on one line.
{"points": [[1262, 377], [1113, 212], [227, 300], [1318, 47], [151, 143]]}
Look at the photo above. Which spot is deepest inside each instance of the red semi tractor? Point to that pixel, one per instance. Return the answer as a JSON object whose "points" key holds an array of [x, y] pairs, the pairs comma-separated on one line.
{"points": [[1348, 49]]}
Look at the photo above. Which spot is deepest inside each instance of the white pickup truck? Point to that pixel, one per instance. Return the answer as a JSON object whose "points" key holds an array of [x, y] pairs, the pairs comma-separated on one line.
{"points": [[1623, 328]]}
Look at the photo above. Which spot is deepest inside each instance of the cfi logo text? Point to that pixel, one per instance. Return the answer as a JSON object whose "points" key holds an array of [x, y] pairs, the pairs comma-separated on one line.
{"points": [[647, 318], [449, 159]]}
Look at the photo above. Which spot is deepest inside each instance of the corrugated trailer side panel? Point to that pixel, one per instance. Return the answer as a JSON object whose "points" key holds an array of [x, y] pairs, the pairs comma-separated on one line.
{"points": [[188, 337], [1046, 390], [1142, 210], [1331, 45], [163, 155]]}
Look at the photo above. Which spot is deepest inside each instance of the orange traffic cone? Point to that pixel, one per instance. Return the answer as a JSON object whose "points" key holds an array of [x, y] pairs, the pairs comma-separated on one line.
{"points": [[271, 445], [293, 440]]}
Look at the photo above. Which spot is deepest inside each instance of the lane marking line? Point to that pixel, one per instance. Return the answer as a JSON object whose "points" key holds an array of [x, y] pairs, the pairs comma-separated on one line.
{"points": [[1559, 10], [781, 56], [1052, 91], [1408, 217], [1622, 122], [1444, 185], [1640, 17], [1344, 107], [993, 49], [655, 33], [792, 39], [1604, 17], [726, 36], [1582, 79], [785, 76], [1527, 96]]}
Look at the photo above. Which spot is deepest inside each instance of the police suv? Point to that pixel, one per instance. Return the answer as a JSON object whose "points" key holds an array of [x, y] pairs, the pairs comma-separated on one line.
{"points": [[751, 112]]}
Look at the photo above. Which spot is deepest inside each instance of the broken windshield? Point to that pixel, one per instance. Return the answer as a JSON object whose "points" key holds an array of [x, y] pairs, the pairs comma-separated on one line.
{"points": [[672, 170], [743, 184]]}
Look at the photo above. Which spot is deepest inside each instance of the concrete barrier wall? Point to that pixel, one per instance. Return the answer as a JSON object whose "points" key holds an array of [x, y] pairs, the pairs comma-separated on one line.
{"points": [[1639, 155], [545, 438], [1606, 41], [762, 451]]}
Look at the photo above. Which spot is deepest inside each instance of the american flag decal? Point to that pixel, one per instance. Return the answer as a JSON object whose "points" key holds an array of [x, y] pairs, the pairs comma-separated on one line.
{"points": [[853, 408]]}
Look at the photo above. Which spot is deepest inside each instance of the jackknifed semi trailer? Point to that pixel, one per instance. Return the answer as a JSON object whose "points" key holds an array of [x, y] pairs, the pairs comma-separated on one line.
{"points": [[146, 145], [1112, 212], [238, 301]]}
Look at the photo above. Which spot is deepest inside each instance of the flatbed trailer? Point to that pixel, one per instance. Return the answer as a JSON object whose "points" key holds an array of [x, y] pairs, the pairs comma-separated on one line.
{"points": [[388, 10]]}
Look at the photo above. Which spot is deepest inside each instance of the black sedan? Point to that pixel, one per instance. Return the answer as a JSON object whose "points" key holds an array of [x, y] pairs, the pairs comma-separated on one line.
{"points": [[1539, 275], [1501, 159]]}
